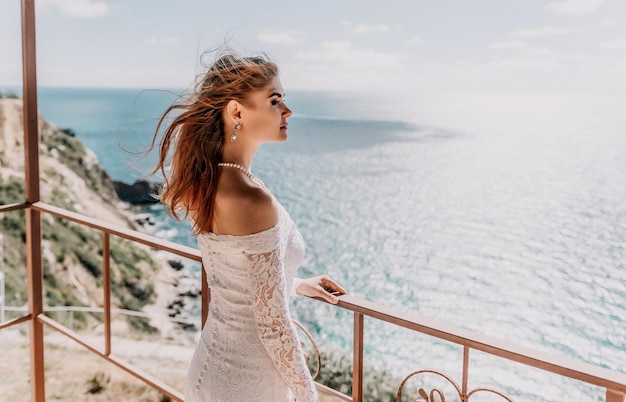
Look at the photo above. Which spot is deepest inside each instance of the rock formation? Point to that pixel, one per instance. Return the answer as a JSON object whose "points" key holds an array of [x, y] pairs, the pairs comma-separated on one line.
{"points": [[72, 178]]}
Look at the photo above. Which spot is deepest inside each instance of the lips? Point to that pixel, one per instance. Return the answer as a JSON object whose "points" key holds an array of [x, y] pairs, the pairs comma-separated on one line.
{"points": [[284, 126]]}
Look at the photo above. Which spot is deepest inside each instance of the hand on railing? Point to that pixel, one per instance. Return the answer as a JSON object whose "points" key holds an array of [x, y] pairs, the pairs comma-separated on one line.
{"points": [[322, 287]]}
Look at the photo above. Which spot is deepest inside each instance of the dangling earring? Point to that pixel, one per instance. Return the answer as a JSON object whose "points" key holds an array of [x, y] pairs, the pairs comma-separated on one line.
{"points": [[233, 136]]}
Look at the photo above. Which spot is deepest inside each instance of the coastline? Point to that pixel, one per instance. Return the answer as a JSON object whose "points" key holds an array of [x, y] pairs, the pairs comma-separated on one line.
{"points": [[519, 199], [72, 178]]}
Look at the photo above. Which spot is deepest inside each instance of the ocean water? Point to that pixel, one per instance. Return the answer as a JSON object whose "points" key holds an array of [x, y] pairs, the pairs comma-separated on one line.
{"points": [[504, 214]]}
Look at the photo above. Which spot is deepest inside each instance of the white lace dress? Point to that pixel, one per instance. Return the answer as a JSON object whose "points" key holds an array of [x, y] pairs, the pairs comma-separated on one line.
{"points": [[249, 350]]}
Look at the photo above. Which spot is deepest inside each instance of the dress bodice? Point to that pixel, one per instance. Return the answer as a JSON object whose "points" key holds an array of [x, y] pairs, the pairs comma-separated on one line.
{"points": [[226, 264], [249, 349]]}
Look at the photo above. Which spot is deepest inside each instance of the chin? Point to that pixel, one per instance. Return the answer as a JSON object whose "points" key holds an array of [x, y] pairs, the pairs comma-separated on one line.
{"points": [[282, 137]]}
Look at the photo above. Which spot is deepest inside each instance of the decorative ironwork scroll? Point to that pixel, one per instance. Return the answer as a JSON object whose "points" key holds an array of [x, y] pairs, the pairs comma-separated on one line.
{"points": [[436, 392], [318, 356]]}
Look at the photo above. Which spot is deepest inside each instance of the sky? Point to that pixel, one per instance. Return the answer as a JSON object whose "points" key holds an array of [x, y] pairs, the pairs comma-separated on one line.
{"points": [[393, 46]]}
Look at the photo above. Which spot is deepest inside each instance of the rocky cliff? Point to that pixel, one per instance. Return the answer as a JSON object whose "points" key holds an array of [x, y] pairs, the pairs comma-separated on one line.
{"points": [[72, 178]]}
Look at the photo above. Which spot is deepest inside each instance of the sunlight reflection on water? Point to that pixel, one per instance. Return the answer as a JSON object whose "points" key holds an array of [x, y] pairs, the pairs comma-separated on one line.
{"points": [[500, 213]]}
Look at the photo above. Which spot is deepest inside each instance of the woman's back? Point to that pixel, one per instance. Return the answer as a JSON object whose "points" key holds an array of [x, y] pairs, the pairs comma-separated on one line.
{"points": [[249, 331]]}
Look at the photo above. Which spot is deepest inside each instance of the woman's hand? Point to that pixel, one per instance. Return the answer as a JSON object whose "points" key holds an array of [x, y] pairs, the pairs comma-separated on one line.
{"points": [[321, 286]]}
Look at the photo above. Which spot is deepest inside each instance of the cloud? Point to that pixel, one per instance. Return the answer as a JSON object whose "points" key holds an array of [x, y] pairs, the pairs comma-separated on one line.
{"points": [[615, 44], [168, 40], [287, 37], [77, 8], [524, 47], [607, 23], [414, 41], [519, 55], [343, 53], [544, 31], [515, 64], [340, 65], [524, 63], [574, 7], [336, 45], [509, 45], [362, 28]]}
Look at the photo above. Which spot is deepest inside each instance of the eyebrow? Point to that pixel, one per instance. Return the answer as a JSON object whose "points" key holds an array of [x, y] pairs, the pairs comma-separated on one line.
{"points": [[276, 94]]}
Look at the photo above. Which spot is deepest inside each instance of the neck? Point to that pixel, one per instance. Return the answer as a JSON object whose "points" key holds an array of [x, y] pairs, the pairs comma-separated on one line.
{"points": [[241, 155]]}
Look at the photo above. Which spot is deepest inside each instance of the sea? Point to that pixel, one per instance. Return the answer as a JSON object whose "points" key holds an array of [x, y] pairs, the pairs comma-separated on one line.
{"points": [[499, 213]]}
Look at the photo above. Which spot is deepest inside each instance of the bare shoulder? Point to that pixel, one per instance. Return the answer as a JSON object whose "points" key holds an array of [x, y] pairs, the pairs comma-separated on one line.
{"points": [[242, 209]]}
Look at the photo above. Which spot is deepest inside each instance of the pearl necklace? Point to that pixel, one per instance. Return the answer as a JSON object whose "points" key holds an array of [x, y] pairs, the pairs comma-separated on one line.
{"points": [[247, 172]]}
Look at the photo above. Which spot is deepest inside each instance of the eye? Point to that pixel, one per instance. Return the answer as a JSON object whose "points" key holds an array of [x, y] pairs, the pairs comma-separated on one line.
{"points": [[275, 101]]}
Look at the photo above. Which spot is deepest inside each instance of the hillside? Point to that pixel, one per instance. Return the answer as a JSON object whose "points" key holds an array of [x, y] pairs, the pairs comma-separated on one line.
{"points": [[72, 178]]}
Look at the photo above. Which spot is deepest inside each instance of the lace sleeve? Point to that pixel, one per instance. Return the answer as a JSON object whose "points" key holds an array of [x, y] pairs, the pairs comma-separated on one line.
{"points": [[294, 287], [275, 328]]}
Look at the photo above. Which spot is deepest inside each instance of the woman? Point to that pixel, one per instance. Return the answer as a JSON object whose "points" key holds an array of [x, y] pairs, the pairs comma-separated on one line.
{"points": [[249, 350]]}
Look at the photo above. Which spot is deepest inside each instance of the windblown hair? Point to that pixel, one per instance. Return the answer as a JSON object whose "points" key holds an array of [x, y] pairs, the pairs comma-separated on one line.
{"points": [[196, 136]]}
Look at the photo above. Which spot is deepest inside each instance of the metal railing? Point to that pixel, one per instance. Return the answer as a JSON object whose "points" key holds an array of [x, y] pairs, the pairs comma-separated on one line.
{"points": [[70, 310], [107, 231], [613, 382], [2, 298]]}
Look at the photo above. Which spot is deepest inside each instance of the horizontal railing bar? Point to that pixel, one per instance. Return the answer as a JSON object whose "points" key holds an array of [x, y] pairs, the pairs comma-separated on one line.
{"points": [[76, 338], [15, 321], [145, 377], [332, 392], [563, 366], [13, 207], [69, 333], [129, 234], [84, 309]]}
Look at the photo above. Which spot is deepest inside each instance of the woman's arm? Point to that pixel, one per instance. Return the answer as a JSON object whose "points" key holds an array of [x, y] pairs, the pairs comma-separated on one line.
{"points": [[274, 325]]}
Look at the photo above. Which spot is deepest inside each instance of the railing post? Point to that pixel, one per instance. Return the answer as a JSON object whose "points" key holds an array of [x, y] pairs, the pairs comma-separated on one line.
{"points": [[33, 217], [2, 302], [106, 288], [465, 373], [357, 359], [2, 294], [35, 302], [614, 396]]}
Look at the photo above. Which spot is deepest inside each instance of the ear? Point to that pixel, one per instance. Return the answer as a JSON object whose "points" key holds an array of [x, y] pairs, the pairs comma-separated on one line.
{"points": [[232, 112]]}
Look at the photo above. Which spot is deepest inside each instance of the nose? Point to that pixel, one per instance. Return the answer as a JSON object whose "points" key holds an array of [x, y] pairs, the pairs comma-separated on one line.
{"points": [[286, 111]]}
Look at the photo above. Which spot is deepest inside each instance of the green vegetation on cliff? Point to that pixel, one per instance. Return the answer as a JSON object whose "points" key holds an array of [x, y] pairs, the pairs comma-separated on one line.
{"points": [[71, 244], [379, 384], [72, 153], [9, 95], [72, 254]]}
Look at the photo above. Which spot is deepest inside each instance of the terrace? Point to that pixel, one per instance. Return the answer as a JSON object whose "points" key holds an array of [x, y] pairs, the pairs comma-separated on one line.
{"points": [[469, 343]]}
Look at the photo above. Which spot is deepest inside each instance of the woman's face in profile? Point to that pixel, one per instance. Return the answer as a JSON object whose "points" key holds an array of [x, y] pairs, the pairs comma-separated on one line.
{"points": [[264, 115]]}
